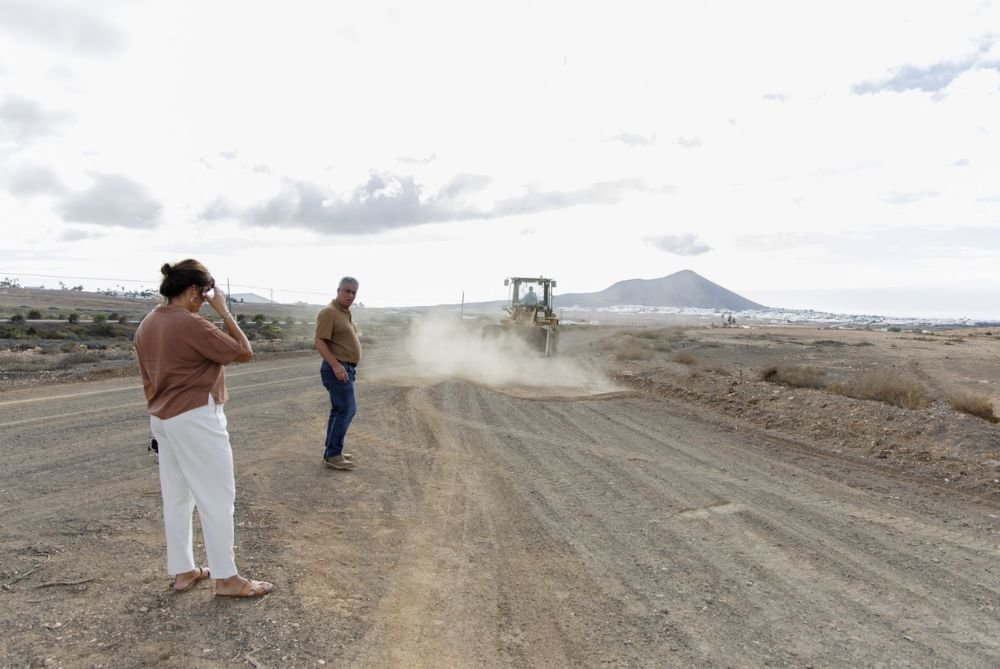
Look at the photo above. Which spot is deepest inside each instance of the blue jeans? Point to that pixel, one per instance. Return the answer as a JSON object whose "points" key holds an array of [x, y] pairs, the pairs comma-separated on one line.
{"points": [[342, 407]]}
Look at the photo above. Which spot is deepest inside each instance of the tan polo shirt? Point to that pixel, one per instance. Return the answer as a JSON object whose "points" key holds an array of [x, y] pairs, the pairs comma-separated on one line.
{"points": [[181, 357], [334, 323]]}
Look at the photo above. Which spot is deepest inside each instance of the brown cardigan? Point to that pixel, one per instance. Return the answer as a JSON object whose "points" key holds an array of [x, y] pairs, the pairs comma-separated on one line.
{"points": [[181, 357]]}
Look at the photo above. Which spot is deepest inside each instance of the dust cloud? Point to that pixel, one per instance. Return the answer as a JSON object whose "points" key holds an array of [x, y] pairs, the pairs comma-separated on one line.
{"points": [[446, 347]]}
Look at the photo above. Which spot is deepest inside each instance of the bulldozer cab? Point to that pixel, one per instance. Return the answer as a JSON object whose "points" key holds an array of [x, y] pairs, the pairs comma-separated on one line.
{"points": [[530, 312], [530, 298]]}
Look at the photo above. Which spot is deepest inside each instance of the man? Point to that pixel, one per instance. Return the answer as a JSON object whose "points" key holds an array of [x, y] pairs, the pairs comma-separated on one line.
{"points": [[337, 342], [531, 299]]}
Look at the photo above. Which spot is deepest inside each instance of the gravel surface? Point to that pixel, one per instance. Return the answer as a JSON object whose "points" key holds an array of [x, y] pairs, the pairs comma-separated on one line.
{"points": [[640, 513]]}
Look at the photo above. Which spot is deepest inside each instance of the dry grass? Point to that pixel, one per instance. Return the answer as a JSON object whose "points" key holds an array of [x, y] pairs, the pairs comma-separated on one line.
{"points": [[48, 359], [662, 346], [885, 385], [684, 358], [631, 348], [282, 345], [977, 405], [797, 376]]}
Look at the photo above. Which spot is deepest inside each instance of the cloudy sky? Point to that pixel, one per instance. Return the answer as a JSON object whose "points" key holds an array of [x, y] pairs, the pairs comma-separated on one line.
{"points": [[837, 155]]}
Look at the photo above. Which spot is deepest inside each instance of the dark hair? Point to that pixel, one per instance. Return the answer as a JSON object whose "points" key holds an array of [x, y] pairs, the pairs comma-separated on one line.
{"points": [[182, 275]]}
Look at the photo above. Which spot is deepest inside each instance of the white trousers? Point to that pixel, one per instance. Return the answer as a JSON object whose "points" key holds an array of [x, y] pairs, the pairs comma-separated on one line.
{"points": [[196, 469]]}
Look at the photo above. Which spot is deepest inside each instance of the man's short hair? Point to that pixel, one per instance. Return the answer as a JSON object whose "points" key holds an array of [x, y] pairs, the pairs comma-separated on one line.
{"points": [[346, 280]]}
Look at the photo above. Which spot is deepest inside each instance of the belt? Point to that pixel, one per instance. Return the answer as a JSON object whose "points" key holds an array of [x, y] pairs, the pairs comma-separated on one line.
{"points": [[348, 364]]}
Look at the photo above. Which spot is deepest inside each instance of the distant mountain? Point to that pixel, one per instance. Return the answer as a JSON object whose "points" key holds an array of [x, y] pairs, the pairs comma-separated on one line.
{"points": [[681, 289], [249, 298]]}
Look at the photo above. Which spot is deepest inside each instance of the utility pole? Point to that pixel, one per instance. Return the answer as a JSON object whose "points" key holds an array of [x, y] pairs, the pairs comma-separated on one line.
{"points": [[229, 297]]}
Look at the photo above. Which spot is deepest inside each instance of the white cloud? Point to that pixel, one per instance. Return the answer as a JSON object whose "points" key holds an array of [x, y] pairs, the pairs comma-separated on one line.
{"points": [[72, 26], [112, 199], [931, 78], [389, 201], [681, 245], [634, 139], [23, 119], [29, 180]]}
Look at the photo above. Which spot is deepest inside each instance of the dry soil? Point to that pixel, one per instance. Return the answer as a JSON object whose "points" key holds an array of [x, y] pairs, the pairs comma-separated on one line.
{"points": [[611, 508]]}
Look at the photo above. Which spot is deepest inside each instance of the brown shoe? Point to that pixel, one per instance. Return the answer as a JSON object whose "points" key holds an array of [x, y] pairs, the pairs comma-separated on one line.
{"points": [[339, 462]]}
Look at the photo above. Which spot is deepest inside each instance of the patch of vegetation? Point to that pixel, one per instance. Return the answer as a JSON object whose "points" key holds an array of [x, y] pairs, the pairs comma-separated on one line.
{"points": [[884, 385], [796, 376], [282, 345], [684, 358], [631, 348], [34, 314], [976, 405], [269, 331]]}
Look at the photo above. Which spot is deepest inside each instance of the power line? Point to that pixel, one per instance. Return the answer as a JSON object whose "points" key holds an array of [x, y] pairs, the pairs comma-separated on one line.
{"points": [[81, 278]]}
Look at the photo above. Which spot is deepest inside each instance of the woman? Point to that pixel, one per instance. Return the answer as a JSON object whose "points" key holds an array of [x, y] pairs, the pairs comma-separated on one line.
{"points": [[181, 357]]}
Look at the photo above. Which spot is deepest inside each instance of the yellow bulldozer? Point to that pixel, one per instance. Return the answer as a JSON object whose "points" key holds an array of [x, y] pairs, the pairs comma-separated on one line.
{"points": [[529, 314]]}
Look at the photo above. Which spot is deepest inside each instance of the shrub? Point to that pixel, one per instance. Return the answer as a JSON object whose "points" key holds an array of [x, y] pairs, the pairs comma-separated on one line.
{"points": [[684, 358], [885, 385], [643, 333], [123, 320], [663, 346], [73, 317], [270, 331], [797, 376], [113, 316], [241, 318], [258, 319], [79, 358], [35, 314], [17, 318], [976, 405], [100, 318], [102, 329], [632, 349]]}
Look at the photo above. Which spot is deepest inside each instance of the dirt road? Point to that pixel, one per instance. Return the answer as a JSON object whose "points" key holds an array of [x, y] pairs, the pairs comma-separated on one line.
{"points": [[486, 526]]}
